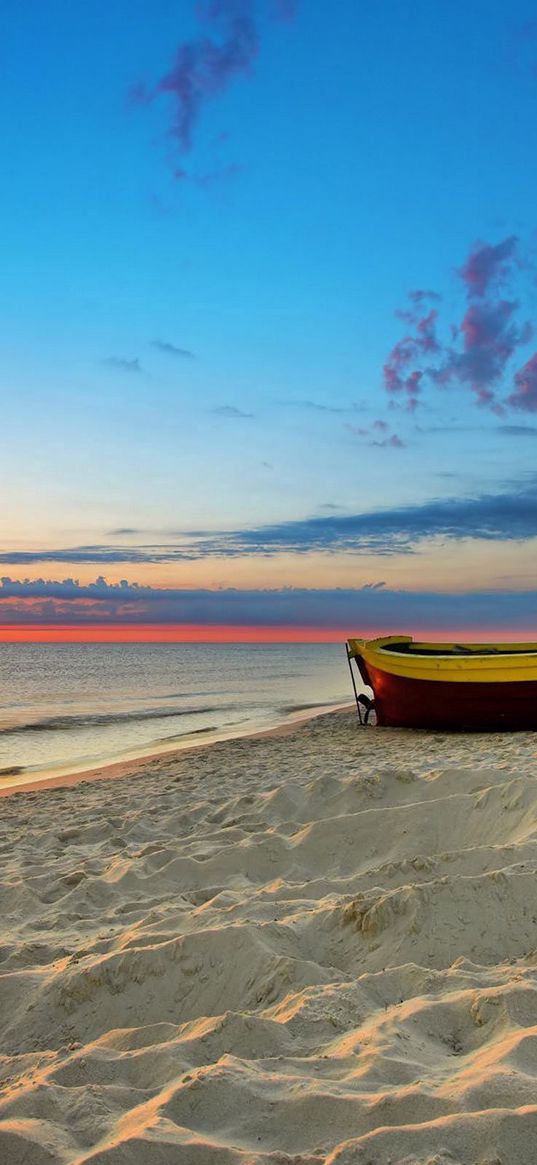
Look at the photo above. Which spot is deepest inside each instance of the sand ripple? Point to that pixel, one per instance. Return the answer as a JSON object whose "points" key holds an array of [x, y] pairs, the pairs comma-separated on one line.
{"points": [[314, 949]]}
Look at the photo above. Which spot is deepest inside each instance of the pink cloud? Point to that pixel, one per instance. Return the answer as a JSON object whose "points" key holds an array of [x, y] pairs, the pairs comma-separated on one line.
{"points": [[487, 265], [525, 395], [426, 335], [399, 375], [482, 344], [490, 337]]}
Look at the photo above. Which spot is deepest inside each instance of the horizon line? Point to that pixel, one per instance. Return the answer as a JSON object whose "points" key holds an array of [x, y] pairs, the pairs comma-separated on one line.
{"points": [[235, 633]]}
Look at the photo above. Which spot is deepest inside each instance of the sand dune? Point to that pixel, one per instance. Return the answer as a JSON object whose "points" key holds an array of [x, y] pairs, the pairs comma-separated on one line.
{"points": [[314, 949]]}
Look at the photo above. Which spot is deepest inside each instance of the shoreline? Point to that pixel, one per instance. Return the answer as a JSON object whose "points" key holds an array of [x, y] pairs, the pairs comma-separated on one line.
{"points": [[133, 766]]}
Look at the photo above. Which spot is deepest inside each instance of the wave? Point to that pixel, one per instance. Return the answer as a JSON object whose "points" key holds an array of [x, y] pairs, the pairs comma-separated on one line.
{"points": [[287, 709], [104, 719], [177, 736]]}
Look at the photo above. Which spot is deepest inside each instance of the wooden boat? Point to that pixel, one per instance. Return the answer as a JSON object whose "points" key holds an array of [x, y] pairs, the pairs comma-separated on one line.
{"points": [[461, 686]]}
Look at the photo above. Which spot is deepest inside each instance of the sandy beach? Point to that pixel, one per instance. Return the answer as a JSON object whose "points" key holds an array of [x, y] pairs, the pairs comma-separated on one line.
{"points": [[315, 948]]}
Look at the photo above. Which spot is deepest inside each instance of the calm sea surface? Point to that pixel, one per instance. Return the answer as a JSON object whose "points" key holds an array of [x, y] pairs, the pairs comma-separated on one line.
{"points": [[72, 706]]}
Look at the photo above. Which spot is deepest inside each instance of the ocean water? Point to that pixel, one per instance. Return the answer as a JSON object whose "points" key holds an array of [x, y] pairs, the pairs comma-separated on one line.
{"points": [[66, 707]]}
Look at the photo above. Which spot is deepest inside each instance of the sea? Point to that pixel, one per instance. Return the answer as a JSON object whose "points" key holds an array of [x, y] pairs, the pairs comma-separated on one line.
{"points": [[70, 707]]}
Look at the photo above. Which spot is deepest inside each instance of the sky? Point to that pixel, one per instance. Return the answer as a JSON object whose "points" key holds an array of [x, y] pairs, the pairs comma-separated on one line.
{"points": [[269, 327]]}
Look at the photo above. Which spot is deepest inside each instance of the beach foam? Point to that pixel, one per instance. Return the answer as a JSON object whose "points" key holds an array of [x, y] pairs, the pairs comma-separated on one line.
{"points": [[314, 948]]}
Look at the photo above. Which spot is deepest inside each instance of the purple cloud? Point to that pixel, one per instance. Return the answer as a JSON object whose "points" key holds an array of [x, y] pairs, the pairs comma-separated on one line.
{"points": [[378, 435], [490, 337], [525, 394], [399, 374], [481, 345], [419, 297], [354, 609], [488, 265], [205, 67]]}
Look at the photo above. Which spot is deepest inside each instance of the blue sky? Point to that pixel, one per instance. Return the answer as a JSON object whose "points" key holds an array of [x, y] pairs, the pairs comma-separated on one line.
{"points": [[361, 153]]}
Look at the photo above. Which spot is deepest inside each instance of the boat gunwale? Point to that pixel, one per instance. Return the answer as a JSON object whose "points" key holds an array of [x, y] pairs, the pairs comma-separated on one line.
{"points": [[404, 647], [471, 653]]}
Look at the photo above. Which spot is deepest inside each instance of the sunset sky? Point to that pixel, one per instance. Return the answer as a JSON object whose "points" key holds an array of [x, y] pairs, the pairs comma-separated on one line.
{"points": [[269, 323]]}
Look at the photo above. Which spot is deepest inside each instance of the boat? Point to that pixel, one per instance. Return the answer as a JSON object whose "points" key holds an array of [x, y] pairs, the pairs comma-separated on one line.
{"points": [[449, 686]]}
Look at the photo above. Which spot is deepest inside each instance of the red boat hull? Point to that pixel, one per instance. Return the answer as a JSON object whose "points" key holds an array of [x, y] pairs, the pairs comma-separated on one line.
{"points": [[401, 702]]}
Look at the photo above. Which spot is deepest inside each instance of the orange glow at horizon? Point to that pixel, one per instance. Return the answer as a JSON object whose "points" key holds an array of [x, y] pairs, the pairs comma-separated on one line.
{"points": [[220, 633], [164, 633]]}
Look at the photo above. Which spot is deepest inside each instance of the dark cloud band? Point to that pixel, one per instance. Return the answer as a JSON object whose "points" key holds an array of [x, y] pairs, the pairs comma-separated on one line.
{"points": [[353, 610], [507, 516]]}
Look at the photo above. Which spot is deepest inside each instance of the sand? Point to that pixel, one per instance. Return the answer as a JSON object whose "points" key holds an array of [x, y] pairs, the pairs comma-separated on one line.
{"points": [[317, 948]]}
